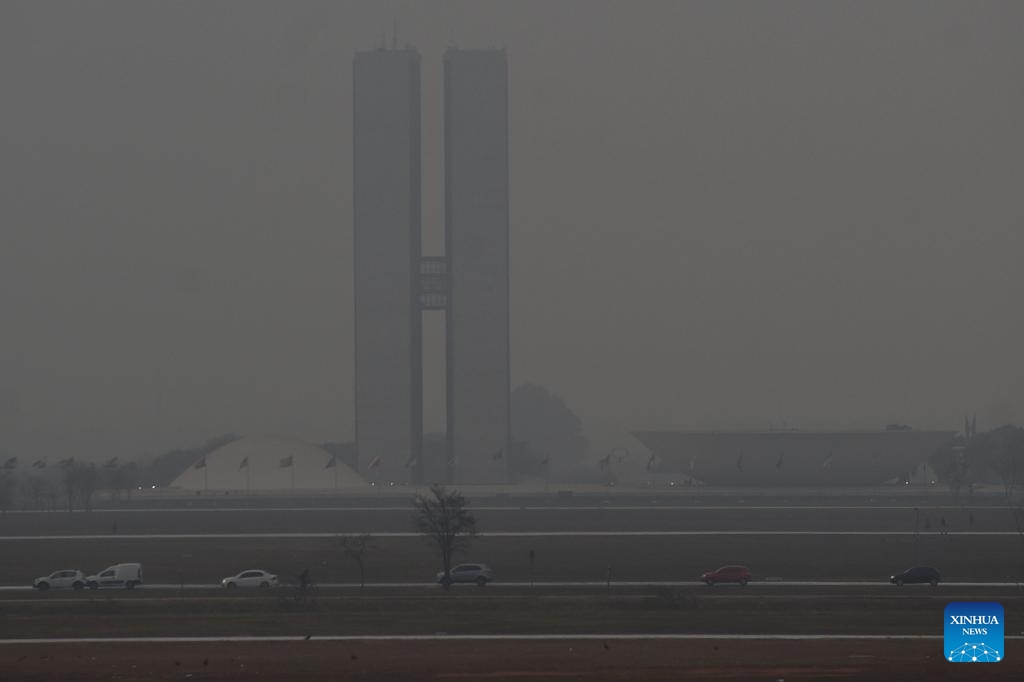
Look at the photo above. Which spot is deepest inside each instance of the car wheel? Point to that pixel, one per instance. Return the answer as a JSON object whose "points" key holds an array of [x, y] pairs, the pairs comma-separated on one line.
{"points": [[935, 582], [231, 586], [481, 581], [710, 582], [78, 584], [264, 585], [43, 587], [130, 585], [899, 582], [743, 582]]}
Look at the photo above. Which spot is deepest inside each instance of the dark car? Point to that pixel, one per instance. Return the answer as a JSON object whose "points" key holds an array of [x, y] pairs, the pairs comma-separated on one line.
{"points": [[917, 575], [727, 574]]}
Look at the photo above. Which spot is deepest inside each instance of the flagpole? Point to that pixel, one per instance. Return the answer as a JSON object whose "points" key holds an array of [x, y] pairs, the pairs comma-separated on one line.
{"points": [[246, 476], [292, 467]]}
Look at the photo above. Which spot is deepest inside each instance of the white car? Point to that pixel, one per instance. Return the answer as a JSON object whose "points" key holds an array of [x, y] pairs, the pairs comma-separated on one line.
{"points": [[481, 574], [60, 579], [250, 579], [118, 575]]}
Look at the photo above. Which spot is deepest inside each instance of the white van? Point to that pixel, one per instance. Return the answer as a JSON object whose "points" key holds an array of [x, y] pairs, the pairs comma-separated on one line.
{"points": [[118, 575]]}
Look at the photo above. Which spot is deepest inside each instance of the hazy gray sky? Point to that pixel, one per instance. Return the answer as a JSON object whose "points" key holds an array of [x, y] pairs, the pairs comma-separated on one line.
{"points": [[724, 214]]}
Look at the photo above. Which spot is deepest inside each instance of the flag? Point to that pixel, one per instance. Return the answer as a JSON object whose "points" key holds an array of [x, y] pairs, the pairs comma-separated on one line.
{"points": [[650, 462], [244, 464], [201, 464], [287, 461], [39, 464], [547, 458], [412, 462], [110, 463], [739, 463], [778, 465], [828, 462], [498, 455], [11, 463], [605, 461], [374, 463], [332, 462], [65, 463]]}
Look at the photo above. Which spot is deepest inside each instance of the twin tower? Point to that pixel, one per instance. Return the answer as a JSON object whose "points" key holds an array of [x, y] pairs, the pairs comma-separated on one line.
{"points": [[395, 285]]}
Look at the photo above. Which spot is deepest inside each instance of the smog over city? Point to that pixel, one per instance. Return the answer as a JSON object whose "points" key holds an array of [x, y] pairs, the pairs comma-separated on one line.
{"points": [[566, 339]]}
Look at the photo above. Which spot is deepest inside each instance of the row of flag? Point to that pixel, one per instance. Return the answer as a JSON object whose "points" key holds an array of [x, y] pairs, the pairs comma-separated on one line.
{"points": [[605, 461], [289, 461], [11, 463]]}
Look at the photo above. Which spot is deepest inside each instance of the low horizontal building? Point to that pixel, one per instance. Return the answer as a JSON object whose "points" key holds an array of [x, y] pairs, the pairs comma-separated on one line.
{"points": [[792, 458]]}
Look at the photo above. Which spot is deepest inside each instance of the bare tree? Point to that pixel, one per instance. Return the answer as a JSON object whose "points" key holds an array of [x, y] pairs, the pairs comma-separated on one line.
{"points": [[88, 482], [444, 521], [357, 548], [6, 491], [80, 481], [70, 483], [121, 479], [35, 488]]}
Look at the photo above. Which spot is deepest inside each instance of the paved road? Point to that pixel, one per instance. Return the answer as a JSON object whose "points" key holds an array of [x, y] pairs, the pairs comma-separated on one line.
{"points": [[622, 518], [471, 638], [796, 586], [574, 557], [502, 534]]}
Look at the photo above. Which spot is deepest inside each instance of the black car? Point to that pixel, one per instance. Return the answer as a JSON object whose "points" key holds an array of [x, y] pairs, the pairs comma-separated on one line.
{"points": [[917, 575]]}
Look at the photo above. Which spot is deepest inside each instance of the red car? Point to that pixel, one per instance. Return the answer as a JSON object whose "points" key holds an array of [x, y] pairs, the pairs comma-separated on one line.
{"points": [[727, 574]]}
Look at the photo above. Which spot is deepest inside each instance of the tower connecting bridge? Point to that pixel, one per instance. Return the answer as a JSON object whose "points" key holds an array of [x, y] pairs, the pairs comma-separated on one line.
{"points": [[395, 284]]}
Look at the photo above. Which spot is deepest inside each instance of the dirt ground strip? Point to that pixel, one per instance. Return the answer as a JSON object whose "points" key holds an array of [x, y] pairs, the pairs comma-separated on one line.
{"points": [[500, 661], [661, 611]]}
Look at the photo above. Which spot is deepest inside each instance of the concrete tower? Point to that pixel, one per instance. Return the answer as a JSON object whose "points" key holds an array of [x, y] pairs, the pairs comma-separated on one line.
{"points": [[386, 196], [476, 244], [395, 285]]}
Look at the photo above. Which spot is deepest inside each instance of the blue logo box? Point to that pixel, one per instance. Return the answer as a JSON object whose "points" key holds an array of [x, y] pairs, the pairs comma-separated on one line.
{"points": [[974, 632]]}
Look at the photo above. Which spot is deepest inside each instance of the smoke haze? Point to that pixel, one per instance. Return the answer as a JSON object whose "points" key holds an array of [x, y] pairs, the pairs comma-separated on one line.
{"points": [[723, 214]]}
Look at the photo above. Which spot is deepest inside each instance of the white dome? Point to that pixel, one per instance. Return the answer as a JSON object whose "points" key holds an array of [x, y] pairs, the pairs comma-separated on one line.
{"points": [[255, 463]]}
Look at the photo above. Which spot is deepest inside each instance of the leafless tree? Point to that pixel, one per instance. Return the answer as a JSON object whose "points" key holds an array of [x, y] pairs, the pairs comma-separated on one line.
{"points": [[445, 523], [357, 548], [80, 481], [6, 491], [35, 487]]}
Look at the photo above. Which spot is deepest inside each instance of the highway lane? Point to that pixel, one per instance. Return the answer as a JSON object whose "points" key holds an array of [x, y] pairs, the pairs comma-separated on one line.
{"points": [[527, 519], [796, 586], [611, 506], [515, 498], [557, 557], [456, 637], [507, 534]]}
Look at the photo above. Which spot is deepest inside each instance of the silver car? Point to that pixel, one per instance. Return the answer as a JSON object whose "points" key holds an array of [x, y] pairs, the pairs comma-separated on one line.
{"points": [[252, 578], [60, 579], [480, 574]]}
